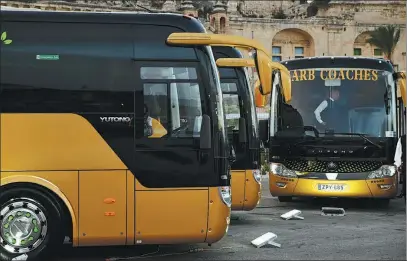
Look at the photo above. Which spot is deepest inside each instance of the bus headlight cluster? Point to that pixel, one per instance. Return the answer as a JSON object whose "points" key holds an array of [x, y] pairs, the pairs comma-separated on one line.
{"points": [[385, 171], [257, 175], [281, 170], [226, 195]]}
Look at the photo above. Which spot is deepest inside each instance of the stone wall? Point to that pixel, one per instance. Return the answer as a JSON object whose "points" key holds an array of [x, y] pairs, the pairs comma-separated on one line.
{"points": [[338, 29], [333, 31]]}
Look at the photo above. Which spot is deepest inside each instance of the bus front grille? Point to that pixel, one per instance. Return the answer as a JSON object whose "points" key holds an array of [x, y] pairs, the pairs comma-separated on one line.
{"points": [[332, 166]]}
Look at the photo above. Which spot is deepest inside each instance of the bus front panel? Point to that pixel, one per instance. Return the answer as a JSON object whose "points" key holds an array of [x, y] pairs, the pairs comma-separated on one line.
{"points": [[337, 136]]}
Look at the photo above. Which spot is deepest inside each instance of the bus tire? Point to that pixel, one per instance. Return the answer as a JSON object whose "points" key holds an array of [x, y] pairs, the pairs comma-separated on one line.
{"points": [[35, 215], [285, 199], [383, 202]]}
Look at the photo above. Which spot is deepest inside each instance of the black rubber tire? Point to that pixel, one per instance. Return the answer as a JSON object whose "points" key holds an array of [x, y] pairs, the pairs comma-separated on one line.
{"points": [[285, 199], [54, 238], [383, 202]]}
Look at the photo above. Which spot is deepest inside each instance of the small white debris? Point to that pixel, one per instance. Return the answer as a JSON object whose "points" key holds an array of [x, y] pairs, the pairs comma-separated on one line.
{"points": [[266, 239], [329, 211], [293, 214]]}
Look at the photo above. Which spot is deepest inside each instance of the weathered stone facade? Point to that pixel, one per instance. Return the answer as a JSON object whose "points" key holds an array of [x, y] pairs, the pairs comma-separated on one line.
{"points": [[338, 28]]}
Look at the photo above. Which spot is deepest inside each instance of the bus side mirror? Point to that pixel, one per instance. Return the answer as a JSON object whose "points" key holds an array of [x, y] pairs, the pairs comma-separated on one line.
{"points": [[263, 131], [242, 130], [260, 99], [401, 78], [264, 70], [206, 133]]}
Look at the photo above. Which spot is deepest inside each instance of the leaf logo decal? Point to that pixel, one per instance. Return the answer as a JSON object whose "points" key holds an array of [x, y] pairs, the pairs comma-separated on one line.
{"points": [[4, 39]]}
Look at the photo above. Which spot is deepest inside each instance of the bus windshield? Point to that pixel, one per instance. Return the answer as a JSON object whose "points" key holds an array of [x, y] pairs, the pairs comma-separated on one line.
{"points": [[345, 100]]}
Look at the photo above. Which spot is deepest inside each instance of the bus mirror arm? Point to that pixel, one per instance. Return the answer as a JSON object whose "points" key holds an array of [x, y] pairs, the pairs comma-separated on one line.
{"points": [[206, 133], [242, 130]]}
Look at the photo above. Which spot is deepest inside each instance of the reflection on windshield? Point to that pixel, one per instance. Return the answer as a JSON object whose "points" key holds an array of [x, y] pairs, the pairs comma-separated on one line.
{"points": [[344, 100], [231, 103]]}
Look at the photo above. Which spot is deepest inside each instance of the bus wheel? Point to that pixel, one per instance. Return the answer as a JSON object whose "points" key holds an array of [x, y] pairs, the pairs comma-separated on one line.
{"points": [[30, 225], [285, 199]]}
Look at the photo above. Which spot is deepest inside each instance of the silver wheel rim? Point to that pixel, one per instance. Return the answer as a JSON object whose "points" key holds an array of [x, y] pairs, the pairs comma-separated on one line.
{"points": [[23, 226]]}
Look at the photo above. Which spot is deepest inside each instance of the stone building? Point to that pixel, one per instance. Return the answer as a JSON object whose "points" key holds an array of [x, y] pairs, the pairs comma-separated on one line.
{"points": [[340, 28], [288, 28]]}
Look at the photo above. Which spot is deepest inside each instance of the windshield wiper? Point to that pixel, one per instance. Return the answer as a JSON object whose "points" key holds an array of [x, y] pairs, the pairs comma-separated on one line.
{"points": [[360, 135], [307, 138]]}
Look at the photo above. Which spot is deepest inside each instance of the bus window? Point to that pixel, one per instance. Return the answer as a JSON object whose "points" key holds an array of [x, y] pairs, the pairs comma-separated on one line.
{"points": [[155, 117], [183, 118], [231, 104], [186, 109]]}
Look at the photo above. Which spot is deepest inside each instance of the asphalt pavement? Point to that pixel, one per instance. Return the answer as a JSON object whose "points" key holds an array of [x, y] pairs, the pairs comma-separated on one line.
{"points": [[366, 232]]}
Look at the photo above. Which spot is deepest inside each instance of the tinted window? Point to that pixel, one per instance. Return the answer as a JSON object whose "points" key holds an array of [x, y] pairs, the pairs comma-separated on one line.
{"points": [[151, 43], [174, 108], [227, 73], [168, 73], [231, 103], [155, 110], [66, 67]]}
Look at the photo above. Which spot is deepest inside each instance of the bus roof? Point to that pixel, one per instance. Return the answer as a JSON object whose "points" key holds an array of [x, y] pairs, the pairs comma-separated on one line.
{"points": [[338, 62], [226, 52], [185, 23]]}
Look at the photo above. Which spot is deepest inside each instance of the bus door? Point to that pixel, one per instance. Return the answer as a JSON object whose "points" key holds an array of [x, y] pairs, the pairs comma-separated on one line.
{"points": [[171, 97]]}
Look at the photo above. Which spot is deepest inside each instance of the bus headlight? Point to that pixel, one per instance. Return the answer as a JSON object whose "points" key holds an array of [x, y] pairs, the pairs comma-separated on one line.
{"points": [[281, 170], [226, 195], [385, 171], [257, 175]]}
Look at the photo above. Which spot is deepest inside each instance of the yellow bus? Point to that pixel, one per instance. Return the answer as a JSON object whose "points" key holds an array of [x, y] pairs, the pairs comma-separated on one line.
{"points": [[112, 131], [242, 127], [337, 136]]}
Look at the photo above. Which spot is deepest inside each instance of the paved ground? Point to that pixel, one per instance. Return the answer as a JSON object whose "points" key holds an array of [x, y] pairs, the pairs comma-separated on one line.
{"points": [[366, 232]]}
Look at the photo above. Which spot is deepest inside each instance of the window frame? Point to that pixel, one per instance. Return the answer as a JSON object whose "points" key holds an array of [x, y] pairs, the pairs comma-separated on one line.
{"points": [[379, 50], [354, 51], [139, 108], [276, 55], [299, 47], [239, 97]]}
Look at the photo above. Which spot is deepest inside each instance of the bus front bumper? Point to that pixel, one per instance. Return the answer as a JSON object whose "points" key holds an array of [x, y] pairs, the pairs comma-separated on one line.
{"points": [[246, 190], [306, 187]]}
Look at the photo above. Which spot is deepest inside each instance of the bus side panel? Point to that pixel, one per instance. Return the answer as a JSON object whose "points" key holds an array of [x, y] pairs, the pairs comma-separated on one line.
{"points": [[66, 181], [219, 216], [238, 189], [102, 207], [37, 141], [130, 208], [171, 216]]}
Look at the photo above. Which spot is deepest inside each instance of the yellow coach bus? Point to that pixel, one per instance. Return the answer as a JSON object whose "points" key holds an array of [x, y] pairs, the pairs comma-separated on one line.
{"points": [[337, 136], [242, 127], [112, 131]]}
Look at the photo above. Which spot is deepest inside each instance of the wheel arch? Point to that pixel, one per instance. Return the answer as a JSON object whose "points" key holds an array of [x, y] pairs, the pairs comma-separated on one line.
{"points": [[50, 188]]}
